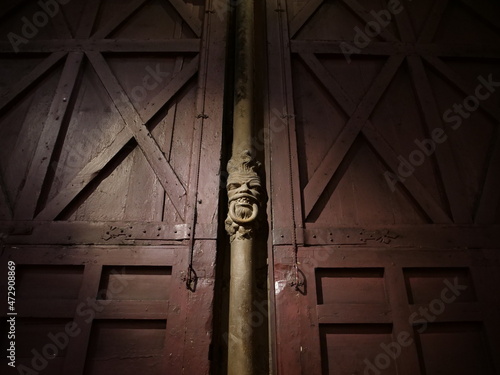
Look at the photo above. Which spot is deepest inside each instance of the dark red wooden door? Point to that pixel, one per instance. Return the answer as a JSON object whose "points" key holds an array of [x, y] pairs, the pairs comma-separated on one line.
{"points": [[384, 163], [110, 132]]}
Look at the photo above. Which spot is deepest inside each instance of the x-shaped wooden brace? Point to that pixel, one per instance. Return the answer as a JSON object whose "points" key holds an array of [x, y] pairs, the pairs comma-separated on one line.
{"points": [[134, 127]]}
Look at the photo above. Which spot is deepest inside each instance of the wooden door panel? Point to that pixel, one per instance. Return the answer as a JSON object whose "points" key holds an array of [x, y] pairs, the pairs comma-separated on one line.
{"points": [[388, 311], [104, 114], [351, 276]]}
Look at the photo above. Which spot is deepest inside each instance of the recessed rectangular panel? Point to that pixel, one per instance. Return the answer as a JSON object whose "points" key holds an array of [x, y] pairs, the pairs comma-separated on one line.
{"points": [[454, 348], [356, 349], [49, 282], [42, 343], [350, 285], [135, 283], [448, 284], [127, 347]]}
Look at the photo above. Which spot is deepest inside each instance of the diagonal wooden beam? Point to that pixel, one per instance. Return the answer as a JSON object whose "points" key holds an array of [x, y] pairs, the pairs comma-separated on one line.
{"points": [[454, 187], [156, 103], [28, 80], [152, 151], [61, 26], [30, 192], [88, 19], [303, 16], [486, 9], [381, 146], [92, 169], [459, 83], [346, 138], [120, 16], [418, 192], [490, 196], [4, 199], [365, 16], [187, 16], [433, 21]]}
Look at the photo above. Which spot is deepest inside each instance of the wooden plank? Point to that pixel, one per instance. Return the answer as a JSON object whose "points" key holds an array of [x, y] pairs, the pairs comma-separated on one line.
{"points": [[366, 17], [344, 141], [457, 81], [7, 209], [88, 19], [385, 151], [433, 21], [347, 313], [303, 16], [120, 16], [455, 189], [61, 26], [46, 308], [164, 96], [75, 359], [145, 309], [157, 160], [28, 80], [118, 232], [90, 171], [31, 190], [488, 10], [386, 49], [459, 312], [187, 16], [418, 191], [436, 238], [405, 28], [108, 45], [395, 286], [490, 195], [101, 255]]}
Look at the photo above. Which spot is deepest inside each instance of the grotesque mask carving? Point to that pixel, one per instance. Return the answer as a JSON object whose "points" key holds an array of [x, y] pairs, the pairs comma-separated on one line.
{"points": [[244, 195]]}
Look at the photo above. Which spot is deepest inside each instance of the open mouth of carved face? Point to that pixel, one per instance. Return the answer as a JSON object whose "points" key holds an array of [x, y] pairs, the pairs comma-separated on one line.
{"points": [[243, 208]]}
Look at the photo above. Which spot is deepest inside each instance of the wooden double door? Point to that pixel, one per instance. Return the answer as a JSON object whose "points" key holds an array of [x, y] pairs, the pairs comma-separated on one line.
{"points": [[381, 151]]}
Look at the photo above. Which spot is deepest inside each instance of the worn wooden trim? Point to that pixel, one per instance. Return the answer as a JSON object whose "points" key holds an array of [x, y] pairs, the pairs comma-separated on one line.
{"points": [[344, 141], [433, 21], [439, 237], [9, 94], [454, 187], [187, 16], [346, 313], [303, 16], [457, 81], [121, 15], [490, 195], [108, 45], [31, 190], [147, 309], [114, 255], [399, 48], [365, 16], [79, 232]]}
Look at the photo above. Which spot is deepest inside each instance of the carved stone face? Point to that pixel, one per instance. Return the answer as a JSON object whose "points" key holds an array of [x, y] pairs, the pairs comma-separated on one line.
{"points": [[243, 191]]}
